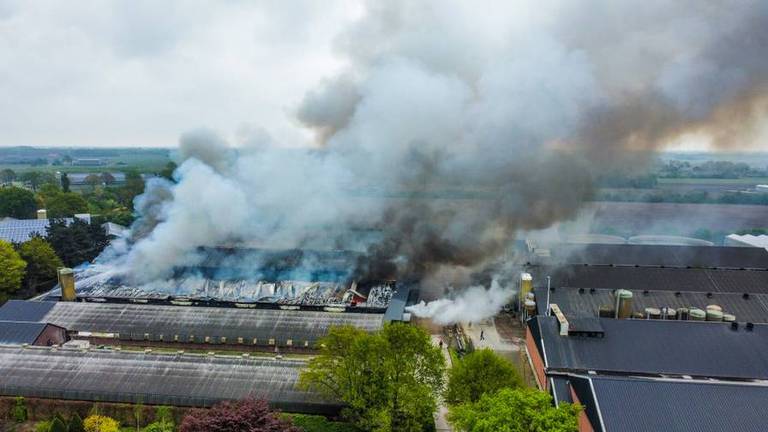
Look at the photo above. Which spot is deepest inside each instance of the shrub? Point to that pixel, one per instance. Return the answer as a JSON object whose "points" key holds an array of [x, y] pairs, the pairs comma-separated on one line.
{"points": [[43, 426], [99, 423], [57, 425], [19, 410], [244, 415], [76, 423], [316, 423]]}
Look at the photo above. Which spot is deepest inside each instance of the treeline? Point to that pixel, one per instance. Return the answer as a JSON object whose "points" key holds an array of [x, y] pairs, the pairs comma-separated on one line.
{"points": [[693, 197], [43, 190], [710, 169]]}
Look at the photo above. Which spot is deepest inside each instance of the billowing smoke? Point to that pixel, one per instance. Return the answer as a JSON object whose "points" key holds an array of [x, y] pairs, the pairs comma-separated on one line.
{"points": [[472, 304], [456, 126]]}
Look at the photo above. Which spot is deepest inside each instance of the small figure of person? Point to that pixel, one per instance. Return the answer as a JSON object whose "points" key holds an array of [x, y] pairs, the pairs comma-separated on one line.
{"points": [[482, 335]]}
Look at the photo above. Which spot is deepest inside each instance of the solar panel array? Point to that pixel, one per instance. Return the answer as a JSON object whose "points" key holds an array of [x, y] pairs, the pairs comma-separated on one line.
{"points": [[157, 379], [206, 324]]}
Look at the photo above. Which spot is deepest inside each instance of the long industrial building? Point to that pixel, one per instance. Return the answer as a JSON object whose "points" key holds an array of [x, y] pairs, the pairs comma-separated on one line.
{"points": [[592, 302], [631, 404], [155, 379], [233, 327]]}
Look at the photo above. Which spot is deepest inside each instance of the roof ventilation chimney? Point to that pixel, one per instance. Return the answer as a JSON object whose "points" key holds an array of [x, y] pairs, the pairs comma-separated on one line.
{"points": [[42, 214], [67, 284]]}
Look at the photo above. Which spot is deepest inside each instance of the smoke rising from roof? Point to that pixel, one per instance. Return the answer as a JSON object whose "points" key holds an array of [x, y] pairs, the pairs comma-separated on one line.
{"points": [[454, 128]]}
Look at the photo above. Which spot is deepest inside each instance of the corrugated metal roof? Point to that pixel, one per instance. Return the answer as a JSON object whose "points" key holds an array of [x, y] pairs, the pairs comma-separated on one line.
{"points": [[704, 349], [654, 278], [17, 333], [21, 230], [22, 310], [657, 255], [199, 324], [640, 405], [157, 379], [583, 302]]}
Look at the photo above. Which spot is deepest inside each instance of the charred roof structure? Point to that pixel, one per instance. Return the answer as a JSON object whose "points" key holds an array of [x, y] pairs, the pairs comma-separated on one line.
{"points": [[248, 278], [156, 379], [184, 324], [675, 405]]}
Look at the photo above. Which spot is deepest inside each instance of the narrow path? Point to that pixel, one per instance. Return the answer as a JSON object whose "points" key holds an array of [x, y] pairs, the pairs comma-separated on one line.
{"points": [[441, 420]]}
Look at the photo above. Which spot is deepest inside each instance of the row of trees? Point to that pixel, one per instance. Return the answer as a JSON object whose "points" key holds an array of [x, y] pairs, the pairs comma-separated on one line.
{"points": [[390, 381], [693, 197], [114, 204]]}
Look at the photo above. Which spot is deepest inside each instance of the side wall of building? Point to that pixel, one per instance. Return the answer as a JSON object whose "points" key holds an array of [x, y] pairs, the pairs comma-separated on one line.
{"points": [[51, 335], [536, 360]]}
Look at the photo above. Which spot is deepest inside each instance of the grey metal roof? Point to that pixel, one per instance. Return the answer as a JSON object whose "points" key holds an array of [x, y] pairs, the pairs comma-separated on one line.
{"points": [[583, 302], [198, 324], [17, 333], [23, 310], [21, 230], [181, 380], [629, 405], [657, 255], [653, 278], [704, 349]]}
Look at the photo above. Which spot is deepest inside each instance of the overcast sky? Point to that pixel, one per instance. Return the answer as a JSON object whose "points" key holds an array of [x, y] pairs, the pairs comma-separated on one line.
{"points": [[142, 72], [139, 73]]}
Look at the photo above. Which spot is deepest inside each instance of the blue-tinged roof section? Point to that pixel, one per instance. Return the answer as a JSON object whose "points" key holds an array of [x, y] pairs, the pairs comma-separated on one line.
{"points": [[635, 405], [21, 310], [17, 332], [656, 347], [21, 230], [396, 307]]}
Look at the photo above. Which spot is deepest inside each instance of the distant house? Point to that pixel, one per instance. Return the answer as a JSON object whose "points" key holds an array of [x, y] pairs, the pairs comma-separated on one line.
{"points": [[78, 179], [89, 162], [31, 333]]}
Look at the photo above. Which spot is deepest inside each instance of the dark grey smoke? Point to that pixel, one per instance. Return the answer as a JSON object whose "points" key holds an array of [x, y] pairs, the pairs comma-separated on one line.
{"points": [[457, 126]]}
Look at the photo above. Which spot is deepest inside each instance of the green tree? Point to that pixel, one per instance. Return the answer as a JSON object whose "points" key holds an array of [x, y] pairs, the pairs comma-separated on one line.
{"points": [[107, 178], [93, 180], [478, 373], [7, 176], [75, 424], [19, 410], [17, 203], [57, 425], [134, 186], [167, 171], [388, 379], [163, 421], [65, 204], [11, 270], [515, 410], [77, 242], [37, 178], [64, 182], [42, 263]]}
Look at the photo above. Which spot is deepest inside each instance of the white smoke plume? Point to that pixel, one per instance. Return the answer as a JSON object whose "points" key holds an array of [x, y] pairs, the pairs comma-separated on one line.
{"points": [[473, 304], [454, 128]]}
